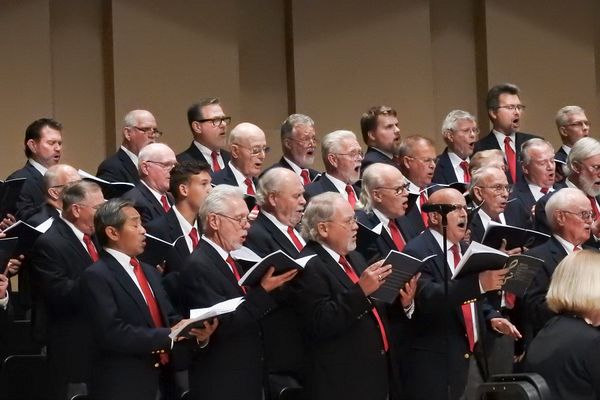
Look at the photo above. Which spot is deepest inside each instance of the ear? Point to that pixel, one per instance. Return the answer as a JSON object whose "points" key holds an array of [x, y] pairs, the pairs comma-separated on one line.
{"points": [[447, 134], [112, 233], [376, 196], [286, 144], [144, 168], [235, 151], [371, 136], [493, 114], [404, 161], [434, 218], [332, 158], [53, 193], [76, 210], [32, 145], [525, 168], [322, 229], [559, 218], [196, 127], [183, 189], [127, 133], [272, 199], [213, 222], [562, 131], [576, 167], [477, 193]]}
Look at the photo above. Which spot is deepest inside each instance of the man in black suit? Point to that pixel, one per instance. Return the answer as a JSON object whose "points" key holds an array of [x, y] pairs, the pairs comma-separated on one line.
{"points": [[346, 332], [381, 134], [43, 148], [342, 156], [130, 314], [150, 196], [189, 184], [460, 132], [208, 124], [248, 152], [505, 110], [59, 257], [139, 130], [570, 217], [231, 367], [449, 330], [417, 163], [298, 144], [572, 125]]}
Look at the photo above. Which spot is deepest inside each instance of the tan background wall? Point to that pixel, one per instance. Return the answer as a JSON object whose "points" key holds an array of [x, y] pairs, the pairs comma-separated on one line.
{"points": [[88, 62]]}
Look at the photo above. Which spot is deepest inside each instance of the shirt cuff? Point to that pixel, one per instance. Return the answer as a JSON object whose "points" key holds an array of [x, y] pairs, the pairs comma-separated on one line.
{"points": [[203, 344], [4, 301], [409, 311]]}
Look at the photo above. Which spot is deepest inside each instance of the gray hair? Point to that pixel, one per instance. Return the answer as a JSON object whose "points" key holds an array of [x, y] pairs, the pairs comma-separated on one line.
{"points": [[55, 173], [287, 127], [535, 142], [131, 118], [373, 177], [479, 175], [152, 150], [218, 201], [406, 149], [76, 192], [560, 201], [584, 148], [319, 209], [331, 142], [270, 182], [110, 214], [453, 117], [562, 116]]}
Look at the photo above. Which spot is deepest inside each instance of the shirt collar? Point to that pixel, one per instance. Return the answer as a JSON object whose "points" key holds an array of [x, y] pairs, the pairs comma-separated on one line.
{"points": [[384, 220], [206, 152], [154, 192], [566, 148], [239, 177], [568, 246], [224, 255], [333, 254], [186, 227], [130, 154], [75, 230], [485, 219], [41, 169], [440, 239], [500, 138], [385, 153], [294, 166], [121, 257], [339, 185], [455, 159]]}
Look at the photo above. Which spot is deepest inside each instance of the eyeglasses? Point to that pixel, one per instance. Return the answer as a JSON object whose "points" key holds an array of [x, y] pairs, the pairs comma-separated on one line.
{"points": [[466, 131], [255, 150], [543, 163], [167, 166], [216, 121], [397, 190], [306, 141], [348, 223], [424, 161], [580, 124], [96, 207], [584, 215], [150, 132], [513, 107], [242, 221], [499, 189], [356, 155]]}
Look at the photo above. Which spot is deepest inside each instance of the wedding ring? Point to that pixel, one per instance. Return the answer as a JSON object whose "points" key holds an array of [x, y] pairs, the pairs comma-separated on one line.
{"points": [[379, 277]]}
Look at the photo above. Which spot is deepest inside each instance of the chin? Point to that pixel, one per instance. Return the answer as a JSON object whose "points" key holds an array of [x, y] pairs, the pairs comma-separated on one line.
{"points": [[351, 246]]}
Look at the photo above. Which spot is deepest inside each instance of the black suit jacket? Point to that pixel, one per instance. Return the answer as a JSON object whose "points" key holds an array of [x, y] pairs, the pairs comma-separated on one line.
{"points": [[32, 192], [126, 342], [118, 168], [323, 184], [235, 353], [490, 143], [372, 246], [373, 156], [428, 373], [572, 371], [522, 192], [345, 350], [145, 203], [193, 153], [444, 170], [282, 163], [42, 214], [59, 259], [514, 214], [413, 215], [226, 177]]}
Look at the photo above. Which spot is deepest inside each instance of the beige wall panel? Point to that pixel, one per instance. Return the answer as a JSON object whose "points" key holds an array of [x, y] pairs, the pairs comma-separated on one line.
{"points": [[532, 44], [351, 55], [25, 74], [78, 82], [167, 54]]}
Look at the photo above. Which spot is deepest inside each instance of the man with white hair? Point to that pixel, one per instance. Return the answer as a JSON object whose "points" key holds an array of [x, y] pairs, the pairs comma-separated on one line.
{"points": [[460, 132], [381, 134], [232, 366], [150, 196], [299, 144], [572, 125], [342, 156], [570, 218], [139, 130], [248, 152]]}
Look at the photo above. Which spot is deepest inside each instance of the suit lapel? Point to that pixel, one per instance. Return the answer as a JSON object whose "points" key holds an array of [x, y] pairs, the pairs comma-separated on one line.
{"points": [[69, 236], [332, 266], [151, 199], [278, 236], [220, 265], [130, 167], [176, 232]]}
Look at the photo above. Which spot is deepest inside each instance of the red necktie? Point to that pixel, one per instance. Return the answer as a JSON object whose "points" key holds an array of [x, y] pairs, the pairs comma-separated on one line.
{"points": [[423, 200], [294, 238], [236, 272], [351, 196], [594, 205], [354, 278], [465, 167], [90, 247], [466, 308], [215, 161], [194, 236], [249, 187], [396, 235], [544, 190], [150, 301], [165, 203], [305, 176], [511, 158]]}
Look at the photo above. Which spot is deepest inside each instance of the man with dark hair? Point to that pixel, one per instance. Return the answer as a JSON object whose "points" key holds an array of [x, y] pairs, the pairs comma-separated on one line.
{"points": [[189, 184], [380, 132], [43, 148], [505, 110], [58, 258], [298, 144], [139, 130], [130, 313], [208, 124]]}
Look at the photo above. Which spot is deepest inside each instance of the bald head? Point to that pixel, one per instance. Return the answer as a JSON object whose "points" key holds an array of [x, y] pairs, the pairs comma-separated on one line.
{"points": [[155, 163], [281, 193], [248, 148], [457, 219], [55, 179]]}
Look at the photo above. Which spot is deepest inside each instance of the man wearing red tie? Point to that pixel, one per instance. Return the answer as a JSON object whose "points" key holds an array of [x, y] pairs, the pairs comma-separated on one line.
{"points": [[208, 124], [448, 331], [346, 332], [232, 366], [130, 314], [342, 157], [58, 258]]}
